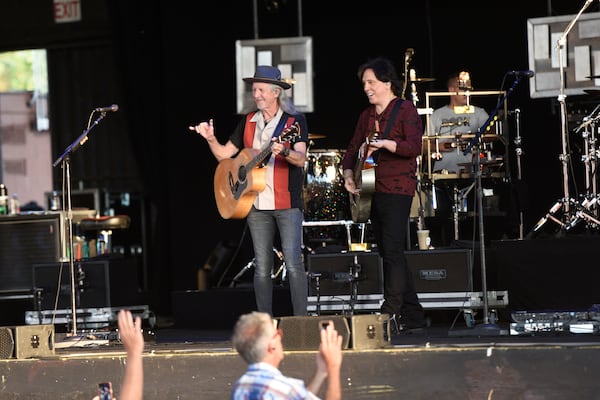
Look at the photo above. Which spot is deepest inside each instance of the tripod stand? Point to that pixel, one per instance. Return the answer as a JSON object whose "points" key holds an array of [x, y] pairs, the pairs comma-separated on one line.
{"points": [[252, 263]]}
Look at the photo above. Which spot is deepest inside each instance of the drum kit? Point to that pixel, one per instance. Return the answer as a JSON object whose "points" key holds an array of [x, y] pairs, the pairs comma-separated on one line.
{"points": [[326, 201], [441, 193]]}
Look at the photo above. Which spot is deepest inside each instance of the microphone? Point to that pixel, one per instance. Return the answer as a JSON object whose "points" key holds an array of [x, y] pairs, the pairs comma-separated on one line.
{"points": [[409, 53], [113, 108], [522, 74]]}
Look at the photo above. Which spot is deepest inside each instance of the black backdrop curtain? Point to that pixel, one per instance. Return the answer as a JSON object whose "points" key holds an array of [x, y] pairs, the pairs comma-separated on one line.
{"points": [[124, 152]]}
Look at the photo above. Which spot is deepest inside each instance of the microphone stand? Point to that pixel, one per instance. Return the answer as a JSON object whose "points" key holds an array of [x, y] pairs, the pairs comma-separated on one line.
{"points": [[487, 328], [65, 160]]}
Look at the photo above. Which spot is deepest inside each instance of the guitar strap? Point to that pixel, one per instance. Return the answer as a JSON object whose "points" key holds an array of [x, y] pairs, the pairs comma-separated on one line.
{"points": [[388, 125], [285, 118], [280, 125]]}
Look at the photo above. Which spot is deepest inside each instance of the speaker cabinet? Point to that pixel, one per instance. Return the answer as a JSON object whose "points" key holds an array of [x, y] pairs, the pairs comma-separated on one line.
{"points": [[33, 341], [24, 241], [29, 341], [338, 272], [371, 331], [98, 284], [7, 343], [441, 270], [304, 333], [92, 287]]}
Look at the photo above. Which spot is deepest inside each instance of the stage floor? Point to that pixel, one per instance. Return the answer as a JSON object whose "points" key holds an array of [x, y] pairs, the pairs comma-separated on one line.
{"points": [[188, 354], [442, 362]]}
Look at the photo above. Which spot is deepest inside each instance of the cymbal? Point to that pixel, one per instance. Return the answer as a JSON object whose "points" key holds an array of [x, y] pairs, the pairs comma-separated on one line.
{"points": [[593, 92], [316, 136], [423, 80]]}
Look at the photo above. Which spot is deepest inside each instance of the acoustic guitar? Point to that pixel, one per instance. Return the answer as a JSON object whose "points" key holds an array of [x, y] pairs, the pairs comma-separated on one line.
{"points": [[364, 179], [238, 180]]}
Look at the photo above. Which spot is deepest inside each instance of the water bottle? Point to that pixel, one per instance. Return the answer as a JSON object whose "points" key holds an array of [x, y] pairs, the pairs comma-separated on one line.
{"points": [[3, 199], [14, 205], [55, 201]]}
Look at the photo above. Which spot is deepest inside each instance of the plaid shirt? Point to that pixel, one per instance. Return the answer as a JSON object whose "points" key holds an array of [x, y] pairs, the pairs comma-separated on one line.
{"points": [[263, 381]]}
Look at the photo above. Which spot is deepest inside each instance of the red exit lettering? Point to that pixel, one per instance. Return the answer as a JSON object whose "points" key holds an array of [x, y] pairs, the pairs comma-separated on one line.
{"points": [[67, 10]]}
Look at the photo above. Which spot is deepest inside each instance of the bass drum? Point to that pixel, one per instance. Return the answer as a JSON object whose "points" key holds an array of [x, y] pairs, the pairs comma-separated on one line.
{"points": [[325, 198]]}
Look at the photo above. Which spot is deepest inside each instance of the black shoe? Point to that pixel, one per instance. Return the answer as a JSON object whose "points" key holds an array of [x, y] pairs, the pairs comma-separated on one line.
{"points": [[398, 325]]}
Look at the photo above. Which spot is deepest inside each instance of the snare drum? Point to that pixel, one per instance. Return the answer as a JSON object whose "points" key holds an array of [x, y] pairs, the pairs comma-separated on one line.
{"points": [[325, 198]]}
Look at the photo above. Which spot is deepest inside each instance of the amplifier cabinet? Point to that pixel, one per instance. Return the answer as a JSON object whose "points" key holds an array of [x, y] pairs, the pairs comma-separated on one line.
{"points": [[98, 283], [27, 239], [340, 273], [441, 270]]}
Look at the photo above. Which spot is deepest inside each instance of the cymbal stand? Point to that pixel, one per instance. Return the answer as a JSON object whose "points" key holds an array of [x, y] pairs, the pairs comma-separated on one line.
{"points": [[460, 204], [252, 263], [65, 161], [566, 202], [237, 277], [281, 270], [590, 156], [408, 54], [519, 153], [587, 209], [421, 209], [413, 92]]}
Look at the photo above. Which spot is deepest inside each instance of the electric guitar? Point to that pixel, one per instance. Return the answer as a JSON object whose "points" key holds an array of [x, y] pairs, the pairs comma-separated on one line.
{"points": [[364, 179], [238, 180]]}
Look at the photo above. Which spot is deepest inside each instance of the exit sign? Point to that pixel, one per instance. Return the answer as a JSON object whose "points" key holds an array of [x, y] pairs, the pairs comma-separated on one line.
{"points": [[67, 11]]}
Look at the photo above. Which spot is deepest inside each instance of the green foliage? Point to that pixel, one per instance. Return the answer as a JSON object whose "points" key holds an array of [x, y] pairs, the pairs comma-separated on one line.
{"points": [[16, 71]]}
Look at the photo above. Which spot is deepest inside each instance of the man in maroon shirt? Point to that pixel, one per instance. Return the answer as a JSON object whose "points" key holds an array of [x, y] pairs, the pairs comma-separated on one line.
{"points": [[391, 131]]}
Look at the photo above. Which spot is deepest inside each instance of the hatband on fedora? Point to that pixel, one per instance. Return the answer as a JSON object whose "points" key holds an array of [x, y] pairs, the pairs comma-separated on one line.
{"points": [[268, 74]]}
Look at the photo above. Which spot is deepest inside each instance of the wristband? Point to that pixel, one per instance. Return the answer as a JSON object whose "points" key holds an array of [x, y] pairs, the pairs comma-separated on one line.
{"points": [[285, 152]]}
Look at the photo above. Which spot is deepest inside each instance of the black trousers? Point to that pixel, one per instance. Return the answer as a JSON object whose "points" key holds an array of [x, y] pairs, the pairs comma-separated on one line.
{"points": [[389, 221]]}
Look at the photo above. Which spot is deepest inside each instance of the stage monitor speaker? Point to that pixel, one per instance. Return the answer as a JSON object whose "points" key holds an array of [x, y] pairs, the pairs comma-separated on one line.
{"points": [[370, 331], [24, 241], [441, 270], [304, 333], [338, 272], [32, 341], [28, 341], [7, 343]]}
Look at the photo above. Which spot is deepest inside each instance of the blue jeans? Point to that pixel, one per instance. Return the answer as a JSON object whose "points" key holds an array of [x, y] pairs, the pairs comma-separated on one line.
{"points": [[263, 225]]}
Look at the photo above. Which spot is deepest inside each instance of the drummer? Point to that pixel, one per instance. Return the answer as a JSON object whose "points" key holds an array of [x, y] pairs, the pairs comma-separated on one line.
{"points": [[457, 117]]}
